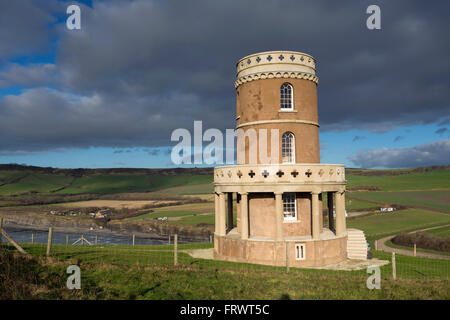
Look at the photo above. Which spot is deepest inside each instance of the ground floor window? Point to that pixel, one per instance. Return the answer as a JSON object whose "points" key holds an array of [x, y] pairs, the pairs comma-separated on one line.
{"points": [[289, 206], [300, 252]]}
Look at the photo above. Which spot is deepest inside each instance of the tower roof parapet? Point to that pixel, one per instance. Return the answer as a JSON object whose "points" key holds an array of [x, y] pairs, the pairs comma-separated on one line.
{"points": [[276, 64]]}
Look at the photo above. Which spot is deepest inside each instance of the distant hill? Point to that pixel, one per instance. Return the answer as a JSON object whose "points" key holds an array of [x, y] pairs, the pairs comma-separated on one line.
{"points": [[18, 180], [394, 172], [82, 171], [197, 171]]}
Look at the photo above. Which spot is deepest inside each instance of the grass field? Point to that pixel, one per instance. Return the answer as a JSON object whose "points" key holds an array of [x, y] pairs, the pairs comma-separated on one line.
{"points": [[192, 189], [379, 225], [433, 180], [131, 183], [439, 200], [146, 272], [184, 214], [36, 182], [13, 183], [440, 232]]}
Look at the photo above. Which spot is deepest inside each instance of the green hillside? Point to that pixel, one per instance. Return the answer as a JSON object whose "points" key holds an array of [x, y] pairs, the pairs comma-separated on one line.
{"points": [[34, 182], [429, 180], [26, 180]]}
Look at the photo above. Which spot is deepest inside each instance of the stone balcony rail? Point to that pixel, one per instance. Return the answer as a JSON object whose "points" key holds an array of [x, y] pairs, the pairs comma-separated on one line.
{"points": [[303, 173]]}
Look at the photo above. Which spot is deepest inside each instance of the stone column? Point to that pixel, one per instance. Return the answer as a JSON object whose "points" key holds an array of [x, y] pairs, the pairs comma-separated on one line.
{"points": [[340, 213], [330, 211], [230, 211], [244, 216], [216, 213], [222, 227], [279, 216], [316, 227]]}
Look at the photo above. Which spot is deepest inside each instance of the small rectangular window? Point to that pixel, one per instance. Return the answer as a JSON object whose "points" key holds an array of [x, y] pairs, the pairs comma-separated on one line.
{"points": [[300, 252]]}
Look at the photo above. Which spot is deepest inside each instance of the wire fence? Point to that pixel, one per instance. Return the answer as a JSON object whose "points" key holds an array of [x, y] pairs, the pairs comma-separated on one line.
{"points": [[108, 253]]}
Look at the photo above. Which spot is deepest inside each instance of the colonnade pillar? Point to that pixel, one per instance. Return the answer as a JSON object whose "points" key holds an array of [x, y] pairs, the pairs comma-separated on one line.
{"points": [[244, 216], [222, 227], [216, 213], [279, 217], [316, 227]]}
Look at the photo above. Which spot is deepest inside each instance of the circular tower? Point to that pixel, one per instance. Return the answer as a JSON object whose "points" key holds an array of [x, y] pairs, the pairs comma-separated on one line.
{"points": [[278, 185]]}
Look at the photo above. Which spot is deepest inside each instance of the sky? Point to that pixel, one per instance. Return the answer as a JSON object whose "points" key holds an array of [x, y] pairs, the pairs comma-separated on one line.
{"points": [[111, 94]]}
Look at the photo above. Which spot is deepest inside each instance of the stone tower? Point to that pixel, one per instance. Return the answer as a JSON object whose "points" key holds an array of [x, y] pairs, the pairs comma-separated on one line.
{"points": [[279, 201]]}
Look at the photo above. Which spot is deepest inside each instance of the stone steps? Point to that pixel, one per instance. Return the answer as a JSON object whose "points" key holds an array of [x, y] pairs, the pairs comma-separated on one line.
{"points": [[356, 245]]}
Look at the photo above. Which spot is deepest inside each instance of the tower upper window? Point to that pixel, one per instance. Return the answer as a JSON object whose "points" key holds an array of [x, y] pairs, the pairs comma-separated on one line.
{"points": [[286, 97], [288, 148]]}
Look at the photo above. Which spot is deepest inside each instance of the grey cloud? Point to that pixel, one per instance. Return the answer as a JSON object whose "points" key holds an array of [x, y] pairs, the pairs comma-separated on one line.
{"points": [[441, 131], [434, 153], [24, 27], [39, 74], [357, 138], [81, 121], [139, 69]]}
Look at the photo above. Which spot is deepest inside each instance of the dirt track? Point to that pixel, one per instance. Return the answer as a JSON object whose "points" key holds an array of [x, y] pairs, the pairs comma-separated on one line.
{"points": [[381, 245]]}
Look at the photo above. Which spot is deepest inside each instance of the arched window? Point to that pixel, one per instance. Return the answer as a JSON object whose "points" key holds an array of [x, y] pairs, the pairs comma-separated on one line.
{"points": [[289, 206], [288, 148], [286, 97]]}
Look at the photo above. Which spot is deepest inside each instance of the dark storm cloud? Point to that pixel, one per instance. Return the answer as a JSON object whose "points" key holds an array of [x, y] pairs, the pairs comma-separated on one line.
{"points": [[435, 153], [139, 69], [24, 27]]}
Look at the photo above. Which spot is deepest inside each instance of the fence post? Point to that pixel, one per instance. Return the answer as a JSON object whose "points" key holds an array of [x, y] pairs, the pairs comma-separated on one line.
{"points": [[414, 249], [376, 245], [32, 238], [175, 249], [67, 240], [210, 238], [1, 228], [11, 240], [49, 241], [169, 239], [394, 269], [287, 256], [133, 239], [96, 239]]}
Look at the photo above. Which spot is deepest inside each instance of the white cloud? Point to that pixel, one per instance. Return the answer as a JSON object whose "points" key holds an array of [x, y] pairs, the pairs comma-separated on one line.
{"points": [[434, 153]]}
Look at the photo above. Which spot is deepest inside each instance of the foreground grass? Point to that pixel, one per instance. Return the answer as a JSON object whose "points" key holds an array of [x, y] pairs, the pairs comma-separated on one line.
{"points": [[113, 281]]}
